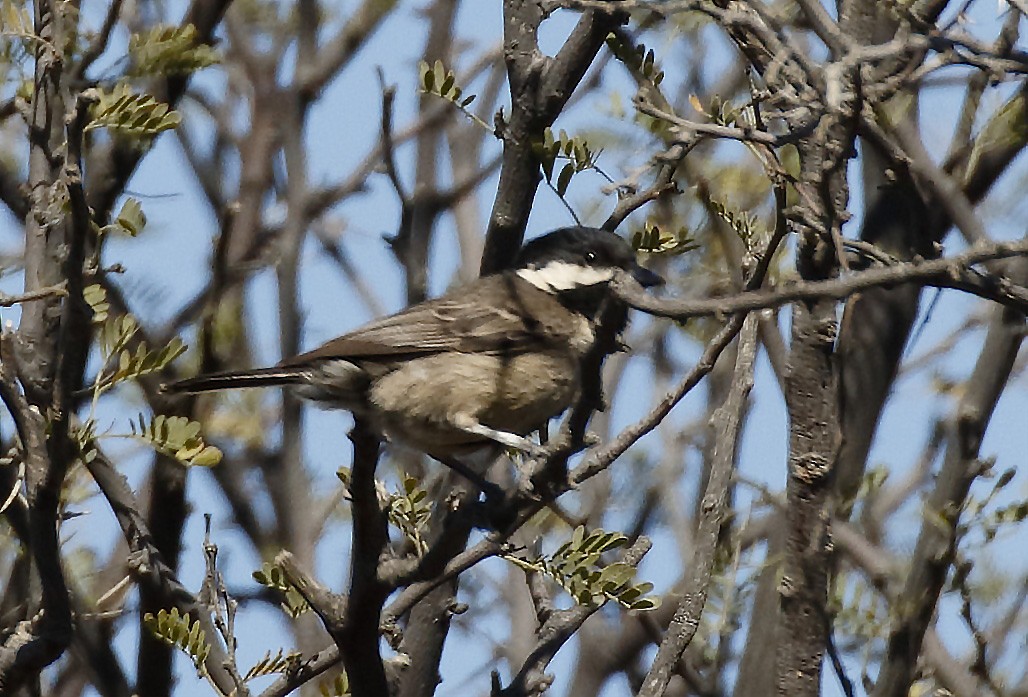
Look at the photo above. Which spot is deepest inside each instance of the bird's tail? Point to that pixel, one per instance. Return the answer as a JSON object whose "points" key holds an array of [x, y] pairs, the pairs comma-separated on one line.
{"points": [[259, 377]]}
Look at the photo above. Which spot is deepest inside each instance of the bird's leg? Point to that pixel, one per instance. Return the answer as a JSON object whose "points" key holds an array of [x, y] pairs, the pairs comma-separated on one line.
{"points": [[470, 424], [492, 491]]}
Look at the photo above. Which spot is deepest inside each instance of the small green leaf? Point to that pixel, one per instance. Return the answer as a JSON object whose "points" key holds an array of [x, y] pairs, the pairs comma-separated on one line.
{"points": [[208, 457], [179, 631], [279, 663], [425, 76], [564, 179], [131, 218], [169, 50], [439, 71], [447, 85], [96, 297], [130, 114]]}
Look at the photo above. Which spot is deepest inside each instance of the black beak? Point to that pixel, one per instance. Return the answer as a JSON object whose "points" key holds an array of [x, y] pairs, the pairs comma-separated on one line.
{"points": [[645, 277]]}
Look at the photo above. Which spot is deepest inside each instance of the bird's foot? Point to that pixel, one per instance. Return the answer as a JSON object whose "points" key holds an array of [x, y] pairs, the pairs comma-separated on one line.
{"points": [[470, 424]]}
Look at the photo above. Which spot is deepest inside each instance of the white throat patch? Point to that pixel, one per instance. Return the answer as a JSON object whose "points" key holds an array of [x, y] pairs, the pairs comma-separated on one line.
{"points": [[561, 275]]}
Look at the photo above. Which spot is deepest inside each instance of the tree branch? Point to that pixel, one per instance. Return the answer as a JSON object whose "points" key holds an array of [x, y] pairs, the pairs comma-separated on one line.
{"points": [[558, 627], [934, 551], [540, 87], [951, 272], [727, 420]]}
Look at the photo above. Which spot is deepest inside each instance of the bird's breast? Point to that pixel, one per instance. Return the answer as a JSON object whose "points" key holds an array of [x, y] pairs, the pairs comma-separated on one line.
{"points": [[515, 393]]}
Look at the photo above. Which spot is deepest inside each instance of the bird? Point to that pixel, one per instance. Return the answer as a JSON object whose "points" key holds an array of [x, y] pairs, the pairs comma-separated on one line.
{"points": [[483, 365]]}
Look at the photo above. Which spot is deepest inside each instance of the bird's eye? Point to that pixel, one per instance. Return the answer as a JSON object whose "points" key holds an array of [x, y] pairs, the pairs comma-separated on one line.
{"points": [[590, 256]]}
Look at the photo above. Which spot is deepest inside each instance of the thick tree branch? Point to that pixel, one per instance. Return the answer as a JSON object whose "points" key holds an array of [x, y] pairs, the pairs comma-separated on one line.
{"points": [[358, 638], [540, 87]]}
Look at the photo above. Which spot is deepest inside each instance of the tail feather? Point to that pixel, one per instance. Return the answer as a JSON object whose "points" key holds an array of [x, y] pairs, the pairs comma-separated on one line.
{"points": [[260, 377]]}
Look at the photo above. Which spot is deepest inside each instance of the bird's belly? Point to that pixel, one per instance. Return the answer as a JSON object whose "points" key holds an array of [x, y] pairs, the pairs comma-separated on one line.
{"points": [[419, 401]]}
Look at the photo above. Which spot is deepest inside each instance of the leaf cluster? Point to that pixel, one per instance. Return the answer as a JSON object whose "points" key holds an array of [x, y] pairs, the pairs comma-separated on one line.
{"points": [[409, 510], [980, 516], [178, 437], [131, 114], [130, 220], [169, 50], [576, 565], [180, 632], [114, 336], [144, 361], [719, 111], [438, 80], [96, 297], [638, 59], [576, 151], [279, 663], [272, 576], [746, 225], [16, 22], [651, 239], [860, 612]]}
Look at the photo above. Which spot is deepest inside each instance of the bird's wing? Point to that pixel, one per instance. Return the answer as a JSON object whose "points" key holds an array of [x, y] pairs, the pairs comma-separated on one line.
{"points": [[492, 314]]}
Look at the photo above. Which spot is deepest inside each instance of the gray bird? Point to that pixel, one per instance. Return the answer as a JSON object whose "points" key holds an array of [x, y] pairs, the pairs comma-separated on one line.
{"points": [[488, 363]]}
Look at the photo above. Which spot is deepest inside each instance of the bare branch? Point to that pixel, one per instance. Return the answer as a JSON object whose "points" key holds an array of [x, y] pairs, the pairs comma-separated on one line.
{"points": [[58, 291], [951, 272], [149, 568], [727, 422], [933, 553]]}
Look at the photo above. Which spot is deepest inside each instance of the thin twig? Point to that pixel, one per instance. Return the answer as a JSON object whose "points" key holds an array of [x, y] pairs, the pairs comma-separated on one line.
{"points": [[59, 290]]}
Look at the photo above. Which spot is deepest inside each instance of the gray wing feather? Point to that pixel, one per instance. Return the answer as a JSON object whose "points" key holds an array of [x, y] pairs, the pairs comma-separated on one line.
{"points": [[469, 321]]}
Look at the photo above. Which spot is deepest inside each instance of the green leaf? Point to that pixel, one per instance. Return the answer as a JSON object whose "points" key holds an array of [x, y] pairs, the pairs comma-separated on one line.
{"points": [[564, 179], [279, 663], [427, 77], [178, 437], [131, 219], [96, 297], [1008, 125], [337, 687], [615, 576], [207, 457], [177, 630], [272, 576], [135, 115], [645, 604], [447, 85], [169, 50], [439, 75]]}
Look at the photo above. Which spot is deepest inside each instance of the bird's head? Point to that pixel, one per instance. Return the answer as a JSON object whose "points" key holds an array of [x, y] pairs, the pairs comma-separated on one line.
{"points": [[576, 258]]}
